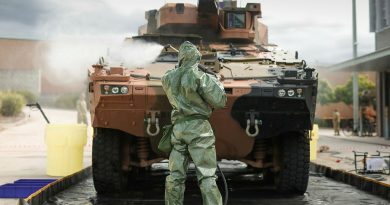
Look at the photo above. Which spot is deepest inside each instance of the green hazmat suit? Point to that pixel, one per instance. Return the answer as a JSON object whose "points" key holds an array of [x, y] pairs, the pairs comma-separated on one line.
{"points": [[192, 92]]}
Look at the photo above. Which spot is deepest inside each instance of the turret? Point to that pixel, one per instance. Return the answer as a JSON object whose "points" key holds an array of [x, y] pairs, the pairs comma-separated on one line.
{"points": [[212, 20]]}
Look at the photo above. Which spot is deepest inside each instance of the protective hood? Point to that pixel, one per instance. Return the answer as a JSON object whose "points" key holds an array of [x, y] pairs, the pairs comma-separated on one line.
{"points": [[188, 55]]}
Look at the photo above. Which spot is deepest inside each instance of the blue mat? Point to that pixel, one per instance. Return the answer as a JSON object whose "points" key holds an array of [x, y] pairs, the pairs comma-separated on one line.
{"points": [[23, 188]]}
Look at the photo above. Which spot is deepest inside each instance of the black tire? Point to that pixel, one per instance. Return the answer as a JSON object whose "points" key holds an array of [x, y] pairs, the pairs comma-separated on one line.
{"points": [[293, 177], [108, 176]]}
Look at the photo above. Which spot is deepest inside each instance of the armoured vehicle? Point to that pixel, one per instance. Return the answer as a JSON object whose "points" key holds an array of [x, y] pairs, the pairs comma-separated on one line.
{"points": [[265, 123]]}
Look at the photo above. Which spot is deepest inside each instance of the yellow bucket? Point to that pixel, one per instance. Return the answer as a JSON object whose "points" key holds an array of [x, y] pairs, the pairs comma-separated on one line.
{"points": [[65, 146], [313, 142]]}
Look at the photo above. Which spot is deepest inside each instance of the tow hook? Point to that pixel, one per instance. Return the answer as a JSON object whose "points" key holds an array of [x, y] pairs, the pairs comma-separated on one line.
{"points": [[153, 120], [256, 125], [252, 122]]}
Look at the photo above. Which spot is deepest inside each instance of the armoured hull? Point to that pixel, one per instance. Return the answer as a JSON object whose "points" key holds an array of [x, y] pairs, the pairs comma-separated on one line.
{"points": [[248, 99]]}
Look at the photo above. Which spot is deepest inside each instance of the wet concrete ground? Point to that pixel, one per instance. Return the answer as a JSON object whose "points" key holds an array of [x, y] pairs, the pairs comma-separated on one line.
{"points": [[244, 189]]}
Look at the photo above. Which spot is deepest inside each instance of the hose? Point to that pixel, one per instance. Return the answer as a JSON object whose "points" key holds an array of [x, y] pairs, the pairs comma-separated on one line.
{"points": [[225, 185], [37, 105]]}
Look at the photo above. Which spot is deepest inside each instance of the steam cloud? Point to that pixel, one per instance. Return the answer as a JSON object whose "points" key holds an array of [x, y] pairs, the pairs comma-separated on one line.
{"points": [[79, 32], [135, 53], [68, 59]]}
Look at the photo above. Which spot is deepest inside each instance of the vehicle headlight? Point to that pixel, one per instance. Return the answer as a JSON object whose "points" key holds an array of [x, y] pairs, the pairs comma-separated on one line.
{"points": [[290, 92], [299, 92], [281, 92], [115, 90], [124, 90]]}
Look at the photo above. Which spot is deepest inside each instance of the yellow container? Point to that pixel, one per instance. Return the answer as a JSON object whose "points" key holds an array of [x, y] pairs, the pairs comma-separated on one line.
{"points": [[65, 146], [313, 142]]}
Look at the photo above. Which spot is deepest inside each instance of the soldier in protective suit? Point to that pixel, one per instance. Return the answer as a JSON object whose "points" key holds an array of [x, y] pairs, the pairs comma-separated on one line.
{"points": [[193, 94], [82, 110]]}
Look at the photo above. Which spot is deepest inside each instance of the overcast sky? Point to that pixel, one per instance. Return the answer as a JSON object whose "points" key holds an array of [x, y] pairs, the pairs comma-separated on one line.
{"points": [[321, 30]]}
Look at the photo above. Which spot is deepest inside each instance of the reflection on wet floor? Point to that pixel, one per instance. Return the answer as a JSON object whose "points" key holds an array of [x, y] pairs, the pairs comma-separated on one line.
{"points": [[243, 190]]}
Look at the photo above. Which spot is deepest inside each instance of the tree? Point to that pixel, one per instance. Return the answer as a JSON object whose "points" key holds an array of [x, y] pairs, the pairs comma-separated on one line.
{"points": [[325, 93], [344, 93]]}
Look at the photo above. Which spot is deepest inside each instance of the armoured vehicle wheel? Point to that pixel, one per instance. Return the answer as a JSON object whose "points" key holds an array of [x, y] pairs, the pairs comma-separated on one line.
{"points": [[107, 171], [294, 174]]}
